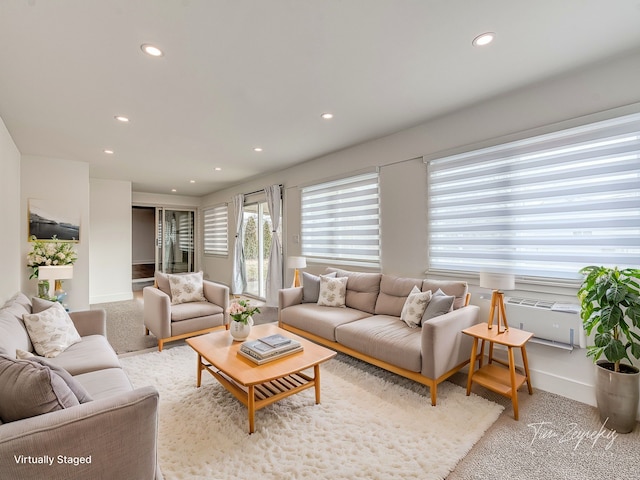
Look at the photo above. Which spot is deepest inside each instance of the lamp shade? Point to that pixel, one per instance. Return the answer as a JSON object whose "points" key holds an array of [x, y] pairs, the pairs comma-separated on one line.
{"points": [[296, 262], [58, 272], [497, 281]]}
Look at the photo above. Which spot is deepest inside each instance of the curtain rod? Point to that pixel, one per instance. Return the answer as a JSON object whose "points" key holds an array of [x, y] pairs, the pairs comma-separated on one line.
{"points": [[259, 191]]}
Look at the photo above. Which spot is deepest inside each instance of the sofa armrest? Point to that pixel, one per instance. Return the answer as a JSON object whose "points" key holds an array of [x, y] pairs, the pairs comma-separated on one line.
{"points": [[157, 311], [218, 294], [289, 296], [117, 435], [444, 346], [90, 322]]}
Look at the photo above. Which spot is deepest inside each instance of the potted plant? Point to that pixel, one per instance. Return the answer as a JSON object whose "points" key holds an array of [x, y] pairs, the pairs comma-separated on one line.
{"points": [[610, 306], [241, 320]]}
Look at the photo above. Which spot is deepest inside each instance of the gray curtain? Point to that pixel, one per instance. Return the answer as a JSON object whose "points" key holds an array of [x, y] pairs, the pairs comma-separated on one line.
{"points": [[239, 281], [274, 273]]}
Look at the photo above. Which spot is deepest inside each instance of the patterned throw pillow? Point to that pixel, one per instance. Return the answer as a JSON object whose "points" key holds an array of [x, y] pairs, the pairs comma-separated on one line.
{"points": [[333, 291], [51, 331], [311, 286], [186, 288], [414, 307]]}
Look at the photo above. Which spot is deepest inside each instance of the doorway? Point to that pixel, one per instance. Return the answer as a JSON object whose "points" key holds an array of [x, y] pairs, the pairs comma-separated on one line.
{"points": [[175, 251]]}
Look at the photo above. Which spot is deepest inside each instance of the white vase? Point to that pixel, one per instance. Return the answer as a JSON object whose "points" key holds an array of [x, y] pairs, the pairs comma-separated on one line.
{"points": [[240, 331]]}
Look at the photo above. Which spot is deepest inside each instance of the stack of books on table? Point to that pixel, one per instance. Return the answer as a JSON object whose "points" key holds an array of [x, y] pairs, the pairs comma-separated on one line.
{"points": [[269, 348]]}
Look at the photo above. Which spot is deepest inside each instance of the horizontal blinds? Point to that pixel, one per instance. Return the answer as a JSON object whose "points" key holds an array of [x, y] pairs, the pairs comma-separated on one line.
{"points": [[341, 221], [216, 230], [542, 207]]}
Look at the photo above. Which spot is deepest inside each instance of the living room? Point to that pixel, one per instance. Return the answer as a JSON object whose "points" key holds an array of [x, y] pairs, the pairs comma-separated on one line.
{"points": [[604, 88]]}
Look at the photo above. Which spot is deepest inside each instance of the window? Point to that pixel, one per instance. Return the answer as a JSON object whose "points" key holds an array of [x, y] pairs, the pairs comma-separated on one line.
{"points": [[341, 221], [540, 207], [257, 229], [216, 230]]}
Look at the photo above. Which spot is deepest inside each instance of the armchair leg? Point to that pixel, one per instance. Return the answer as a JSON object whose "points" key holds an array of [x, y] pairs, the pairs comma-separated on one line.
{"points": [[160, 344]]}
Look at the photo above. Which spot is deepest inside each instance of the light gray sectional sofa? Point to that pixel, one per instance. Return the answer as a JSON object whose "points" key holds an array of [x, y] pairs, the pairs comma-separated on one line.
{"points": [[97, 426], [369, 327]]}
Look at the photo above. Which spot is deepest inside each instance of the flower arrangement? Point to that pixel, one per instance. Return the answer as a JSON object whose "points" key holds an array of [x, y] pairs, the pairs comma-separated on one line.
{"points": [[241, 310], [49, 253]]}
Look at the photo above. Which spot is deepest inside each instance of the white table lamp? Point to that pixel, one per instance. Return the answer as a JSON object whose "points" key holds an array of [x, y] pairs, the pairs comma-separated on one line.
{"points": [[53, 273], [296, 263], [497, 282]]}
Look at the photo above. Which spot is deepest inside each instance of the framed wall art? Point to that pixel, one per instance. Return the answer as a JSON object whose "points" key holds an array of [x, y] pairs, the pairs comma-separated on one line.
{"points": [[45, 222]]}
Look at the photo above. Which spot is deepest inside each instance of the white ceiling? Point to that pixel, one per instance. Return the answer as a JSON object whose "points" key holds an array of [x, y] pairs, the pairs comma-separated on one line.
{"points": [[243, 73]]}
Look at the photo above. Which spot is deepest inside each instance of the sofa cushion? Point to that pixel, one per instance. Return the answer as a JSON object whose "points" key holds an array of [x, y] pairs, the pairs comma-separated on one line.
{"points": [[185, 311], [104, 383], [311, 286], [393, 294], [13, 333], [386, 338], [362, 289], [414, 307], [28, 389], [439, 304], [319, 320], [78, 390], [449, 287], [332, 291], [51, 331], [186, 287], [91, 354], [162, 282]]}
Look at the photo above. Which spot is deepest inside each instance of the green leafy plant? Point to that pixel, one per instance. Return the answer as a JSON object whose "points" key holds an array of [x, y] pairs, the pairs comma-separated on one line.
{"points": [[610, 303], [49, 253], [241, 310]]}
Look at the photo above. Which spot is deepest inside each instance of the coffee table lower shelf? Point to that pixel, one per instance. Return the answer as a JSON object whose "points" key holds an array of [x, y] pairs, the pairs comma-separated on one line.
{"points": [[258, 396]]}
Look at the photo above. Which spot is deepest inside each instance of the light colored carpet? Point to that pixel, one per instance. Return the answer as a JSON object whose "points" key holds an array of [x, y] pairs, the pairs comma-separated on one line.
{"points": [[370, 425]]}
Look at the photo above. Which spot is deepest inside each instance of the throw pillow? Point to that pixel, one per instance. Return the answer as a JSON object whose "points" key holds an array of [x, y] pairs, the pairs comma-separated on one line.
{"points": [[440, 304], [51, 331], [78, 390], [414, 307], [22, 354], [186, 288], [311, 286], [333, 291], [40, 304], [28, 389]]}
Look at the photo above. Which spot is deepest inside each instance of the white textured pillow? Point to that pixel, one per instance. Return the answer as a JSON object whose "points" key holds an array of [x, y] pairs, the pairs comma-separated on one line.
{"points": [[51, 331], [186, 288], [333, 291], [414, 307]]}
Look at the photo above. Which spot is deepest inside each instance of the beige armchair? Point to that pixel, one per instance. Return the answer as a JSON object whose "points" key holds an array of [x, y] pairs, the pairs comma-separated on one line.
{"points": [[170, 322]]}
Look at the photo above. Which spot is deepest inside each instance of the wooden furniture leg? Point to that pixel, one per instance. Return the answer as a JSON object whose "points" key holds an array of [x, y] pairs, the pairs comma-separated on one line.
{"points": [[526, 368], [472, 364], [316, 376], [514, 387], [252, 408], [199, 371]]}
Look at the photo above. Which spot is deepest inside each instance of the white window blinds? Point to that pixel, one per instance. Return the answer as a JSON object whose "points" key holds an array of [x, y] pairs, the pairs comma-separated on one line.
{"points": [[341, 221], [541, 207], [216, 230]]}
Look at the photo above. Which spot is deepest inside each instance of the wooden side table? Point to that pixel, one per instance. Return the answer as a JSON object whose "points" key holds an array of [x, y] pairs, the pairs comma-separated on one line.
{"points": [[499, 379]]}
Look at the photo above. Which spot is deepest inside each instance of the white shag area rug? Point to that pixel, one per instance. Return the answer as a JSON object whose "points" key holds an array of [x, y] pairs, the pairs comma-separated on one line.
{"points": [[370, 424]]}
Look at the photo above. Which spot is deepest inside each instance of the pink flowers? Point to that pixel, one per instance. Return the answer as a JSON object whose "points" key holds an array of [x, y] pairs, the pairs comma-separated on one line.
{"points": [[241, 311]]}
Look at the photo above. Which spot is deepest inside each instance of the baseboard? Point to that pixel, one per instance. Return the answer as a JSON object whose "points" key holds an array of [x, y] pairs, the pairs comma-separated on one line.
{"points": [[115, 297]]}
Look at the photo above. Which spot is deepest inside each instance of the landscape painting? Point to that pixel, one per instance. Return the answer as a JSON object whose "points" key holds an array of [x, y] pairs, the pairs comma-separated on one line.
{"points": [[45, 223]]}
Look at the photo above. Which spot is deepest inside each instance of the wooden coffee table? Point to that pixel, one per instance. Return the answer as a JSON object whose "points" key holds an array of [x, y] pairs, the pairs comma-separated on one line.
{"points": [[257, 386]]}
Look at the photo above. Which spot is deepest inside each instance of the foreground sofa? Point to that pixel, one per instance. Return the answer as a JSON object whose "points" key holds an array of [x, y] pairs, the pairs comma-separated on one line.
{"points": [[112, 435], [369, 327], [170, 321]]}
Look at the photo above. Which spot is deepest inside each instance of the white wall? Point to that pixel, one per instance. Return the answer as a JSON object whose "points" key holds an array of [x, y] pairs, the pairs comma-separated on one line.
{"points": [[403, 188], [110, 255], [64, 185], [12, 229]]}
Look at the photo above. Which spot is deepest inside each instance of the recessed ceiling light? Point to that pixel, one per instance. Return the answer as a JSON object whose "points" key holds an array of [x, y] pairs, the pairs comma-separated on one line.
{"points": [[217, 169], [257, 149], [151, 50], [174, 190], [121, 118], [483, 39], [108, 152], [192, 181], [327, 116]]}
